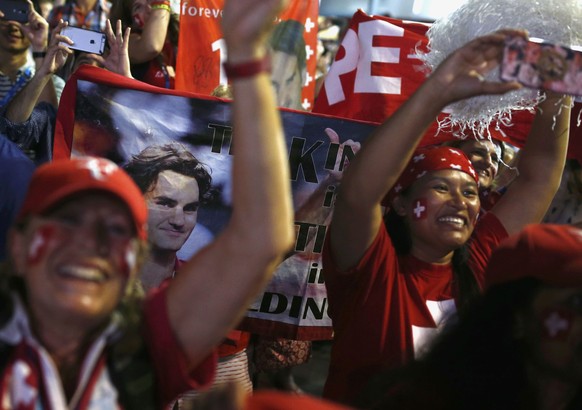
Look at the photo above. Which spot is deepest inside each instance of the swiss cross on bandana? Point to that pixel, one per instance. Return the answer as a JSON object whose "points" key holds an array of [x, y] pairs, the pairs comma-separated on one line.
{"points": [[99, 167]]}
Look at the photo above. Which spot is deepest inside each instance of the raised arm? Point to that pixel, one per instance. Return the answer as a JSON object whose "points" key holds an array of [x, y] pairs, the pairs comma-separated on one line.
{"points": [[20, 107], [37, 32], [147, 44], [215, 287], [385, 153], [540, 166]]}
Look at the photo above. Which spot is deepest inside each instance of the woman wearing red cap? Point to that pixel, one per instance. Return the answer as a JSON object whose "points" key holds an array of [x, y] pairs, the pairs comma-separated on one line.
{"points": [[392, 281], [70, 335]]}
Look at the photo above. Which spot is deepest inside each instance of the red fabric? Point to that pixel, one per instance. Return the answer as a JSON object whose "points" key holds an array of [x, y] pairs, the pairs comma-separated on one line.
{"points": [[274, 400], [359, 85], [155, 74], [548, 252], [198, 66], [235, 341], [375, 307], [168, 357]]}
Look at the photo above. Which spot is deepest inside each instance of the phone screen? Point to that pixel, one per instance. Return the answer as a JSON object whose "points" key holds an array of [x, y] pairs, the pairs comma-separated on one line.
{"points": [[541, 65]]}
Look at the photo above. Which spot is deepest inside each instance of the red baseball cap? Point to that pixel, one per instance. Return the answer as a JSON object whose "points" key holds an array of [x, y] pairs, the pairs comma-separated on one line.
{"points": [[57, 180], [428, 159], [549, 252]]}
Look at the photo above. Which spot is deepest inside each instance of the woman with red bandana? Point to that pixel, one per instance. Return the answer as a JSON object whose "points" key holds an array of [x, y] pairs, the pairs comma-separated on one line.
{"points": [[153, 41], [393, 280]]}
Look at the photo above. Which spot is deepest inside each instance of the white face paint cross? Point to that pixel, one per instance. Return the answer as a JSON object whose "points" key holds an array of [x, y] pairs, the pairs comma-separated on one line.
{"points": [[419, 209]]}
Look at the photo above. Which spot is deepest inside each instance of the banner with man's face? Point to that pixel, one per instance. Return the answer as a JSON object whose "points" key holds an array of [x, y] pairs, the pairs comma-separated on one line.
{"points": [[107, 115]]}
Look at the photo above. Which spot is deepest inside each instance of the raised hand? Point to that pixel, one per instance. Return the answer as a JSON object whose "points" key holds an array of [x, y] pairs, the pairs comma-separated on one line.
{"points": [[57, 51], [246, 24], [335, 139], [462, 74], [117, 59], [36, 30]]}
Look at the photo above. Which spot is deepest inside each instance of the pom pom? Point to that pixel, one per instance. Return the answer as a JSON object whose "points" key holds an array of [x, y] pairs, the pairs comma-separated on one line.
{"points": [[556, 21]]}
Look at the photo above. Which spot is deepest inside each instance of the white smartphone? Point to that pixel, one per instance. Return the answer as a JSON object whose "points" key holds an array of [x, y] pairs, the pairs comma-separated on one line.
{"points": [[88, 41]]}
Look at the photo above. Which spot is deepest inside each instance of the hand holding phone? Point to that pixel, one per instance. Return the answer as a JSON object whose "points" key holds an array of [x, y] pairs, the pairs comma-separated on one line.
{"points": [[88, 41], [542, 65]]}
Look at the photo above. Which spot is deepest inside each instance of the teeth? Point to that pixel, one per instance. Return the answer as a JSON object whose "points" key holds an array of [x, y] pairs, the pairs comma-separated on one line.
{"points": [[83, 272], [452, 219]]}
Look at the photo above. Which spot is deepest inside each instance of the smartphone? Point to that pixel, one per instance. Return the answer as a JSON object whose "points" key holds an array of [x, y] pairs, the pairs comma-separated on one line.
{"points": [[16, 10], [540, 64], [88, 41]]}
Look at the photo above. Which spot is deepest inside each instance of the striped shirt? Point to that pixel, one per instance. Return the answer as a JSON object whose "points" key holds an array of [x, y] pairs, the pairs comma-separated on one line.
{"points": [[94, 20]]}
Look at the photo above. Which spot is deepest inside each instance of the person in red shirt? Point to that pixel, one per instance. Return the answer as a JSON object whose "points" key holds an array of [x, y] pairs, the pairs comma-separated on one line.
{"points": [[394, 279], [518, 347], [153, 41]]}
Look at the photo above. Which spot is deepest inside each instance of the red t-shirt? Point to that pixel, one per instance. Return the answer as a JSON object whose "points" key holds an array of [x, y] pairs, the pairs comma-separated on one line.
{"points": [[168, 357], [388, 307]]}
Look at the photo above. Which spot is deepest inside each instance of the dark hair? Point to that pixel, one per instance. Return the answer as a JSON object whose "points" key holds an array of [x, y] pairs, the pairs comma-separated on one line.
{"points": [[145, 167], [464, 283], [476, 363]]}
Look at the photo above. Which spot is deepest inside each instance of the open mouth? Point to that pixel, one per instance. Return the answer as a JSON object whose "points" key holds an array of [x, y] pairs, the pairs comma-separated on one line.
{"points": [[84, 273], [457, 221]]}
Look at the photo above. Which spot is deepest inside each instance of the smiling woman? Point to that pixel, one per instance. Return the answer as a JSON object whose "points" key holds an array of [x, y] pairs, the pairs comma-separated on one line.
{"points": [[395, 279]]}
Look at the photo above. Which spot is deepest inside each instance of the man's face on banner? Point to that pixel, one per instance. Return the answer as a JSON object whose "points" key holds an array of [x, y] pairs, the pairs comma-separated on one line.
{"points": [[173, 210]]}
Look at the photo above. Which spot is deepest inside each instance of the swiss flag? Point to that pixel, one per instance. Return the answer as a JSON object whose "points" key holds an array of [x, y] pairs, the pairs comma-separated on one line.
{"points": [[377, 68]]}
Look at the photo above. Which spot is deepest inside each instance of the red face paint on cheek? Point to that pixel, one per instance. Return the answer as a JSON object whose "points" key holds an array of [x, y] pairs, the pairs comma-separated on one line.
{"points": [[419, 208], [556, 323], [41, 240]]}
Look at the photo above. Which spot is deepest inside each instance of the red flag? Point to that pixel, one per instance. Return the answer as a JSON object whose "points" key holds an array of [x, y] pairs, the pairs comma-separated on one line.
{"points": [[375, 69]]}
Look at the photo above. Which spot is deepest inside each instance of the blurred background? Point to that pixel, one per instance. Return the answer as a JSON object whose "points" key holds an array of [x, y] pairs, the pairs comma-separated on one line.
{"points": [[418, 10]]}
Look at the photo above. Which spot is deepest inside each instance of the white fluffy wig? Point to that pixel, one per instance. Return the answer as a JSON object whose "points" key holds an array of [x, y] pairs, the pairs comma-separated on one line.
{"points": [[556, 21]]}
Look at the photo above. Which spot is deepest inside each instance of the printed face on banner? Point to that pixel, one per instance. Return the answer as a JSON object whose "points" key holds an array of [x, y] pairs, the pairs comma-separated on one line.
{"points": [[172, 210]]}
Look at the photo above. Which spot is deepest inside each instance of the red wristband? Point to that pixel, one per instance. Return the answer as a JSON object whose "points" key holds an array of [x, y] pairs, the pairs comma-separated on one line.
{"points": [[248, 68]]}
